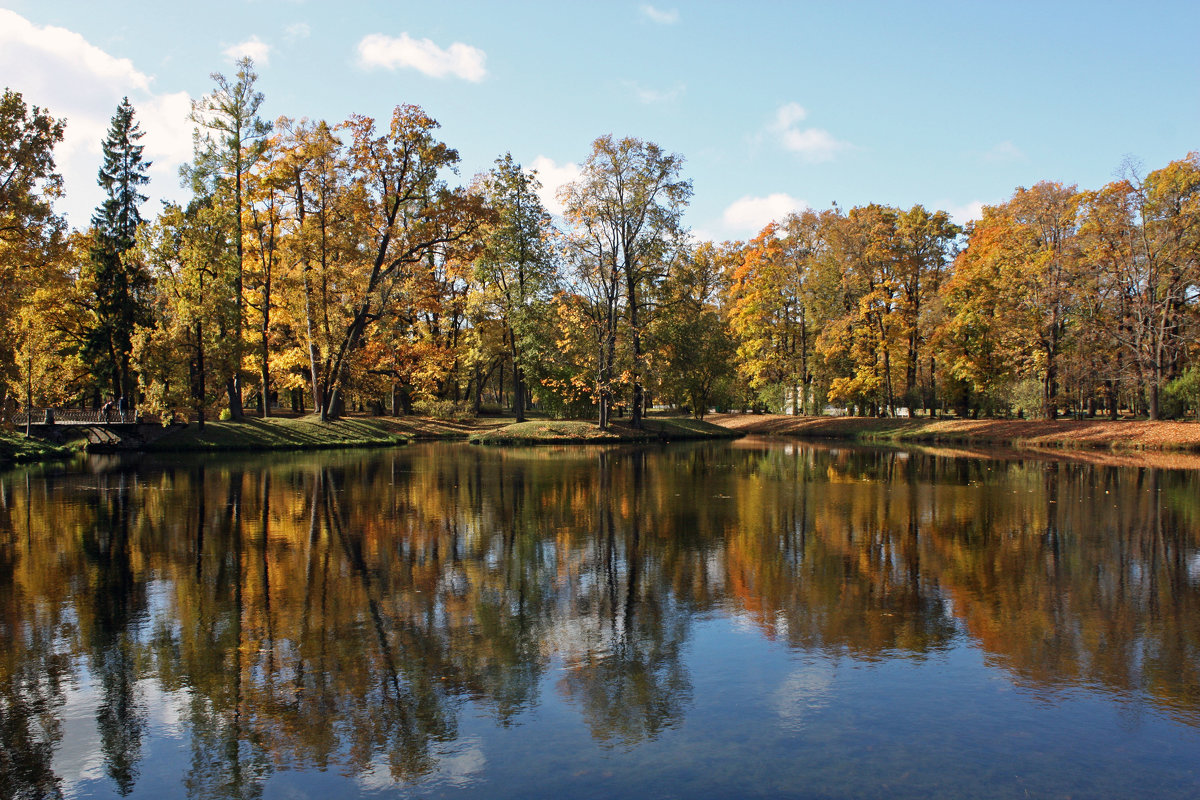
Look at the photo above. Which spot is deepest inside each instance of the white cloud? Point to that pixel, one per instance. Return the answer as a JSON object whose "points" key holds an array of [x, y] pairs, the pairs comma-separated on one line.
{"points": [[553, 177], [669, 17], [379, 51], [60, 71], [19, 35], [788, 115], [653, 96], [813, 144], [749, 215], [253, 48], [297, 31], [967, 212], [1004, 153]]}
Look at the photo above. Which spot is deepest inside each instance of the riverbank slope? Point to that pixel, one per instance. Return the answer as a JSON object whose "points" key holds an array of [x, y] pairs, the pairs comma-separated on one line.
{"points": [[549, 431], [16, 449], [1082, 434]]}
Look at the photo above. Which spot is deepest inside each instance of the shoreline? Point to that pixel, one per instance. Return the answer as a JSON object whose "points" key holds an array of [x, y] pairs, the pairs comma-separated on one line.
{"points": [[253, 434], [281, 434], [550, 432], [1037, 435]]}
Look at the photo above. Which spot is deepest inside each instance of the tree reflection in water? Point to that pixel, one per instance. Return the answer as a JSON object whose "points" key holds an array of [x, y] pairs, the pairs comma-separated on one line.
{"points": [[341, 611]]}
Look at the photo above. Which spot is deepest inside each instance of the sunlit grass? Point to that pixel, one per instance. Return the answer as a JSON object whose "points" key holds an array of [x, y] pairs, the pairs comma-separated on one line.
{"points": [[303, 433], [586, 432], [15, 448]]}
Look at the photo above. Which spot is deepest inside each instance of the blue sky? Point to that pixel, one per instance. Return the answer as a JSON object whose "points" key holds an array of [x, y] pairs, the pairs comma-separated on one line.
{"points": [[773, 105]]}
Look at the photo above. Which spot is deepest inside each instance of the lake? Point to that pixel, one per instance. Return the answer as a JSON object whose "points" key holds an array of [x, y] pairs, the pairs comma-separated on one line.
{"points": [[716, 620]]}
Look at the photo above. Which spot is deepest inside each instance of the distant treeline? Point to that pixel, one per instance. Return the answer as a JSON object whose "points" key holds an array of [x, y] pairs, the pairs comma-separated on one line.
{"points": [[326, 267]]}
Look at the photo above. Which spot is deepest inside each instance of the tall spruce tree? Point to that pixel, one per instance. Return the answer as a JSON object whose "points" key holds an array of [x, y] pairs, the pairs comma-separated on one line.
{"points": [[119, 282]]}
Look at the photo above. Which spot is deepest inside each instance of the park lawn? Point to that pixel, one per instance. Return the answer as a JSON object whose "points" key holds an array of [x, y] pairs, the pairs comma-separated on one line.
{"points": [[280, 433], [15, 449], [545, 431], [1063, 433]]}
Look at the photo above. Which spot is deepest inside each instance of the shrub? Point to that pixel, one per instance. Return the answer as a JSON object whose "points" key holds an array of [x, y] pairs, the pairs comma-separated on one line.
{"points": [[1183, 393], [1026, 397], [439, 409]]}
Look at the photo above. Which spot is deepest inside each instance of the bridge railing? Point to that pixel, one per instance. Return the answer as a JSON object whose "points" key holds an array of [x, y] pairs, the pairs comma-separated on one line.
{"points": [[75, 416]]}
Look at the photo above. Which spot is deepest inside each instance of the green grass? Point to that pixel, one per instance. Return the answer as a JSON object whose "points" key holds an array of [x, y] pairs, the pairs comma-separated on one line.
{"points": [[15, 449], [278, 433], [579, 432]]}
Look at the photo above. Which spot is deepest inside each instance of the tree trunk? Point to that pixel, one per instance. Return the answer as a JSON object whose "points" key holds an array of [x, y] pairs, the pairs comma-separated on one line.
{"points": [[198, 390], [233, 388], [635, 417], [477, 394], [265, 363], [1050, 391], [518, 388], [28, 395]]}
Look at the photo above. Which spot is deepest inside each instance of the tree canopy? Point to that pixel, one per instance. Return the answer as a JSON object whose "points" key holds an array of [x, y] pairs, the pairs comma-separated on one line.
{"points": [[339, 267]]}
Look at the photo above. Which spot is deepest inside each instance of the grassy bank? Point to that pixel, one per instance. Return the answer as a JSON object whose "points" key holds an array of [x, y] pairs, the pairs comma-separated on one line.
{"points": [[279, 433], [309, 433], [657, 429], [16, 449], [1081, 434]]}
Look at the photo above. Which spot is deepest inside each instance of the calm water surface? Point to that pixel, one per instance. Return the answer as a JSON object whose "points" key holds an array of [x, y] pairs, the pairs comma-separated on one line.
{"points": [[749, 620]]}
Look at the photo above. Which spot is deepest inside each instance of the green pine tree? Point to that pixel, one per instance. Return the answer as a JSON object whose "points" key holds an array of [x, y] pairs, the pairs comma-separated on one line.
{"points": [[119, 283]]}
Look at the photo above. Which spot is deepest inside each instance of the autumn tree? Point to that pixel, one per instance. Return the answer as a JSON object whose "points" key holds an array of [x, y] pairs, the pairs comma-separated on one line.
{"points": [[184, 357], [49, 326], [588, 319], [1143, 238], [1022, 272], [319, 237], [517, 268], [770, 307], [230, 139], [927, 241], [265, 225], [626, 210], [31, 234], [861, 340], [698, 348], [406, 211]]}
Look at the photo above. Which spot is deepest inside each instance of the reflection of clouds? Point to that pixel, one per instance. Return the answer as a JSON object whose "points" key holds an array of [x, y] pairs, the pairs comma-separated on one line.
{"points": [[462, 766], [806, 690], [458, 765], [79, 757], [167, 709], [377, 776]]}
